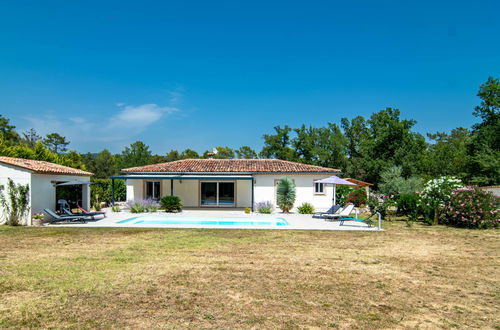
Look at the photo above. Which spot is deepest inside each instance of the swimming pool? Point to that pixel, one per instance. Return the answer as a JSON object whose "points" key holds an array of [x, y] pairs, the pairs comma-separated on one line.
{"points": [[214, 221]]}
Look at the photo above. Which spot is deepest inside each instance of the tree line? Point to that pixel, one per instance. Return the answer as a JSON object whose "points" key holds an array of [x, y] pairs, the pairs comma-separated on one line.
{"points": [[363, 148]]}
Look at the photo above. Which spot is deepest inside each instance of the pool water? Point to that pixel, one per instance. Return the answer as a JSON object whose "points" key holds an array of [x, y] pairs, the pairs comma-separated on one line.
{"points": [[215, 221]]}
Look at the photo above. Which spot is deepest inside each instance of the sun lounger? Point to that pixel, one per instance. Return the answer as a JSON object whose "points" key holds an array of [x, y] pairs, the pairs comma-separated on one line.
{"points": [[59, 218], [368, 220], [93, 213], [332, 210], [344, 213]]}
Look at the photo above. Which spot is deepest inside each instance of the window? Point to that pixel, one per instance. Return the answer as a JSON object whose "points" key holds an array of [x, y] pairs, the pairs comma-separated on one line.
{"points": [[153, 190], [319, 188]]}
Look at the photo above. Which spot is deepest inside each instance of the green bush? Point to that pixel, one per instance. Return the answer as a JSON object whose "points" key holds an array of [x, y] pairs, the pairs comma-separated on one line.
{"points": [[137, 207], [306, 208], [102, 187], [285, 194], [171, 203], [408, 204], [358, 197], [115, 208], [472, 207]]}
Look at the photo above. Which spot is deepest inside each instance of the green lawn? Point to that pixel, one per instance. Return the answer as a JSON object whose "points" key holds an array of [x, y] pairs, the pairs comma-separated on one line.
{"points": [[138, 278]]}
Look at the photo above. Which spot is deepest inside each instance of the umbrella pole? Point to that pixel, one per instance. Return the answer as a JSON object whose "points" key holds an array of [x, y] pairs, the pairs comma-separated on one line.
{"points": [[334, 194]]}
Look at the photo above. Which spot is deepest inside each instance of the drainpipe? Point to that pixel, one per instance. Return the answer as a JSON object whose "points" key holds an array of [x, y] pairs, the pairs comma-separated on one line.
{"points": [[112, 191], [252, 193], [171, 187]]}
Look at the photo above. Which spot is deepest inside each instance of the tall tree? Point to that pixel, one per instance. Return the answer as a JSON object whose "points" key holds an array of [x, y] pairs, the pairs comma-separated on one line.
{"points": [[278, 145], [189, 154], [31, 137], [103, 165], [56, 143], [448, 154], [246, 152], [222, 153], [172, 155], [137, 154], [485, 146], [8, 132]]}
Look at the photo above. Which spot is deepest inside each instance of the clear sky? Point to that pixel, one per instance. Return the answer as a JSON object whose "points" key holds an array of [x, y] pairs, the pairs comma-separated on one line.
{"points": [[198, 74]]}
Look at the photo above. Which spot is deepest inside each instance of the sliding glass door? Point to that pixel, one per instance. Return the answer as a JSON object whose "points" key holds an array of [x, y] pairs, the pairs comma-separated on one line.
{"points": [[217, 194]]}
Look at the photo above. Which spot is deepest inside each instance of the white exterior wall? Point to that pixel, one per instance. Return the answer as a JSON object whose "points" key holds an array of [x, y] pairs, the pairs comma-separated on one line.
{"points": [[265, 190], [19, 176], [187, 191], [43, 191], [135, 189], [244, 193]]}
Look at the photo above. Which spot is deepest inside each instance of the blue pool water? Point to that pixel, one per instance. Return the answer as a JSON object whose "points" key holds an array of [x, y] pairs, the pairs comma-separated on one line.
{"points": [[233, 221]]}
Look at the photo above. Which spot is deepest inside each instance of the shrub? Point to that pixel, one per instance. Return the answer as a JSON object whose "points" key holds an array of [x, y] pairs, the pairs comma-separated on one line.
{"points": [[472, 207], [171, 204], [248, 210], [306, 208], [435, 195], [408, 204], [285, 192], [358, 197], [341, 193], [115, 208], [392, 182], [142, 205], [136, 207], [265, 207], [16, 204], [102, 187]]}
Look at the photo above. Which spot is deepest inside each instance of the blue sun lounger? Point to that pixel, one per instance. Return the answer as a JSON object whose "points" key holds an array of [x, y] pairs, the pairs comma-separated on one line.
{"points": [[368, 220]]}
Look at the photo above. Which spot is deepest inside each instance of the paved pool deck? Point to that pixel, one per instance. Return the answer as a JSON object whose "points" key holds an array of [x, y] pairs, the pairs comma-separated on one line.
{"points": [[295, 221]]}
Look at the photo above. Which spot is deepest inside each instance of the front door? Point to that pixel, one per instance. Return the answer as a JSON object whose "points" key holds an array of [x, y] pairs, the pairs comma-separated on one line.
{"points": [[217, 194], [153, 190]]}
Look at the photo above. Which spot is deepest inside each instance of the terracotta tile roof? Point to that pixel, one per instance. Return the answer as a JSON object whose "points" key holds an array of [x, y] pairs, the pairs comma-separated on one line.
{"points": [[39, 166], [231, 166], [359, 182]]}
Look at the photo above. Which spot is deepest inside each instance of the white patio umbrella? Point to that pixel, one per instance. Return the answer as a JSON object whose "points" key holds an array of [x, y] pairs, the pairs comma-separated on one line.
{"points": [[335, 180]]}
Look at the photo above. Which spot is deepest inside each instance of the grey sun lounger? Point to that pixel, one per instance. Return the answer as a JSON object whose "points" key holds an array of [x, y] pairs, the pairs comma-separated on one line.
{"points": [[332, 210], [344, 213], [91, 215], [59, 218]]}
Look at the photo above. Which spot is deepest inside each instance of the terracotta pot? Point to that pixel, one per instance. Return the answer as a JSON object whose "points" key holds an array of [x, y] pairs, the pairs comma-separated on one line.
{"points": [[37, 222]]}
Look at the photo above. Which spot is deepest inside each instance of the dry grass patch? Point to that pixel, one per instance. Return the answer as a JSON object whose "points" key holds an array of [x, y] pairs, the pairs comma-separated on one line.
{"points": [[405, 277]]}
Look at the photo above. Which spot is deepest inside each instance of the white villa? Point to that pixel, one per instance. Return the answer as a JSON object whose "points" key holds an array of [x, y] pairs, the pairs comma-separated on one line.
{"points": [[228, 183]]}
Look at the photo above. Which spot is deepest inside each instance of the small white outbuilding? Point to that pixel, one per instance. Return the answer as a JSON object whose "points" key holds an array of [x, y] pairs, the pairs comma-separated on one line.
{"points": [[42, 178]]}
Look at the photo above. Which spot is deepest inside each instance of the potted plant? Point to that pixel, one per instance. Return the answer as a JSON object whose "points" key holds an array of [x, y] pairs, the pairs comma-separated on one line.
{"points": [[37, 219]]}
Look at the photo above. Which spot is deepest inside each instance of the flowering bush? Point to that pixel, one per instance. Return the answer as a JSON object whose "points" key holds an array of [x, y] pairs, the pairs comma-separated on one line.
{"points": [[435, 195], [473, 208], [37, 216], [265, 207], [358, 197], [142, 205]]}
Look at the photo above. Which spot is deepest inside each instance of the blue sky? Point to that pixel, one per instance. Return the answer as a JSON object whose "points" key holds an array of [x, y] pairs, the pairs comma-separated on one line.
{"points": [[205, 73]]}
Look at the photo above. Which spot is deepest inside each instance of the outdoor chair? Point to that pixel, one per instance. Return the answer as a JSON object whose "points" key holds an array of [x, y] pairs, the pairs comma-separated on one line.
{"points": [[368, 220], [344, 213], [92, 214], [59, 218], [332, 210]]}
